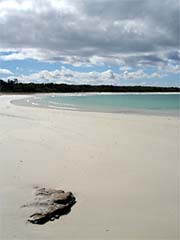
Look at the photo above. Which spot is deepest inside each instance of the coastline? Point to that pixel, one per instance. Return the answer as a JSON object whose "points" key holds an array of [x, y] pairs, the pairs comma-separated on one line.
{"points": [[123, 169], [31, 102]]}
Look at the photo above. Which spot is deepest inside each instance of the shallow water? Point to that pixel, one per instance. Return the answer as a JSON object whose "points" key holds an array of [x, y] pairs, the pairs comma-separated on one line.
{"points": [[147, 103]]}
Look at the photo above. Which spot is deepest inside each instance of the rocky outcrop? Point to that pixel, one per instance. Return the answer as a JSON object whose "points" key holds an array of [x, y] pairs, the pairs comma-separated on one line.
{"points": [[50, 204]]}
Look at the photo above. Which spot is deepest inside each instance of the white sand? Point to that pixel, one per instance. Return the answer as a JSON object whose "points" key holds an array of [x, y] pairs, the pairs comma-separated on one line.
{"points": [[123, 169]]}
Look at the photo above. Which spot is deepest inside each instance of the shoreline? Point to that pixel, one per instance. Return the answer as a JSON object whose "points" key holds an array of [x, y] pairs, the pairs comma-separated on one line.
{"points": [[122, 168], [26, 101], [85, 93]]}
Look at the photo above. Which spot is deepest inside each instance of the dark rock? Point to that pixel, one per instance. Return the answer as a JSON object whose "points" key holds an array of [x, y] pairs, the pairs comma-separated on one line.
{"points": [[52, 204]]}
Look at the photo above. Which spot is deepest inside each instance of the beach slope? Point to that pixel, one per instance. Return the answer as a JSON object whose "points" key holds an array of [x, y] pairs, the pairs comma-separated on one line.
{"points": [[122, 168]]}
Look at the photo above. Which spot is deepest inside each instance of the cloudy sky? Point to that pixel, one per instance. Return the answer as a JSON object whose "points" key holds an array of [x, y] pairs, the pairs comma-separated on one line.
{"points": [[120, 42]]}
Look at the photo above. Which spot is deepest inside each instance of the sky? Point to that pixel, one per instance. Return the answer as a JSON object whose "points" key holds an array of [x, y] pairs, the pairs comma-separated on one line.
{"points": [[113, 42]]}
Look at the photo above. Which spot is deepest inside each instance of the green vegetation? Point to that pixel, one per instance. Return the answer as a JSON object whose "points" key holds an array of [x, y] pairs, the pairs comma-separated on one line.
{"points": [[13, 86]]}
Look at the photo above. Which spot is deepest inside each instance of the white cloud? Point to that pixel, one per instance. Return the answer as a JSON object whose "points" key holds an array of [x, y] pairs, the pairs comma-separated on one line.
{"points": [[65, 75], [5, 71], [140, 74], [26, 53], [173, 69]]}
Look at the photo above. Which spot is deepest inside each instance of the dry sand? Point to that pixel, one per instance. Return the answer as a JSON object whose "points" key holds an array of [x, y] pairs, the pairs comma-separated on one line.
{"points": [[122, 168]]}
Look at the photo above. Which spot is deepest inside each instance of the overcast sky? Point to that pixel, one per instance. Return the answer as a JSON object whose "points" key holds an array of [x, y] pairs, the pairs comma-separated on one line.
{"points": [[120, 42]]}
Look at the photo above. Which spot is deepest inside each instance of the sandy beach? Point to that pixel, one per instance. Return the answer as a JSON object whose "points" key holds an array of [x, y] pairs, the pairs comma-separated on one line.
{"points": [[122, 168]]}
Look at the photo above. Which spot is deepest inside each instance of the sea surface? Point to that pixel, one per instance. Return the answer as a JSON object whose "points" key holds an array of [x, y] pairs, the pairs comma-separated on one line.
{"points": [[101, 102]]}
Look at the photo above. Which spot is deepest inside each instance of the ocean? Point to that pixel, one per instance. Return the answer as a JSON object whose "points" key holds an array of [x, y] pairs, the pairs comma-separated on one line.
{"points": [[102, 102]]}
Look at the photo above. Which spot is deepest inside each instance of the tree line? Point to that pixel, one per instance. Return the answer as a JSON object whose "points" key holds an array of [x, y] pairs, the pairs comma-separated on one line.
{"points": [[13, 86]]}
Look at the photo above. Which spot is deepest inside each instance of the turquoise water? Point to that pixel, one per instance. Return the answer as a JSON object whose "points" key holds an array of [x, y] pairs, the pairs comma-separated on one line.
{"points": [[112, 102]]}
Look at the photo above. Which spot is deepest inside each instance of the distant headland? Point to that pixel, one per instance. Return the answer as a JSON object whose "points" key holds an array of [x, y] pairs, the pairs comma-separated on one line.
{"points": [[13, 86]]}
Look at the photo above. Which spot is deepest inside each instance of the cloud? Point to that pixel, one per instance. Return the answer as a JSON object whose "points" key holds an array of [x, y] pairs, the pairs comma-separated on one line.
{"points": [[140, 74], [173, 69], [108, 77], [127, 33], [68, 76], [5, 71]]}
